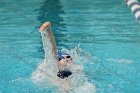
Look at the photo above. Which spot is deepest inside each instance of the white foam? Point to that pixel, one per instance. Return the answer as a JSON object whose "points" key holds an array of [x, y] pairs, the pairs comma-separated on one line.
{"points": [[19, 79], [76, 83], [45, 73], [120, 60]]}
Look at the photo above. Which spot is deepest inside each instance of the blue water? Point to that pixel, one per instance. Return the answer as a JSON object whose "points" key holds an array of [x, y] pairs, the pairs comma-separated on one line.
{"points": [[107, 30]]}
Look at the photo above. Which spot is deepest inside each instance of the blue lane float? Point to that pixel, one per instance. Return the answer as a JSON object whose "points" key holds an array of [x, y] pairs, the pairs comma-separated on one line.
{"points": [[135, 8]]}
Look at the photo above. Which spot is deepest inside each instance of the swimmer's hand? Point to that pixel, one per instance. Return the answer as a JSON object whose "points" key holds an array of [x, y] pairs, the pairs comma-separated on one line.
{"points": [[44, 26]]}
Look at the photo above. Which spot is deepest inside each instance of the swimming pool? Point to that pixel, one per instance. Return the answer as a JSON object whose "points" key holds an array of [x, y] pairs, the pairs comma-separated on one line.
{"points": [[106, 30]]}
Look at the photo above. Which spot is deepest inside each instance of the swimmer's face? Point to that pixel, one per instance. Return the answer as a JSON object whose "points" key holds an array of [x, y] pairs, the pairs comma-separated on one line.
{"points": [[67, 58]]}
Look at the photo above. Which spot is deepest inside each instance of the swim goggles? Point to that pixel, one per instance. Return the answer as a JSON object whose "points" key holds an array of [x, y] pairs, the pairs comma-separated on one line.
{"points": [[63, 56]]}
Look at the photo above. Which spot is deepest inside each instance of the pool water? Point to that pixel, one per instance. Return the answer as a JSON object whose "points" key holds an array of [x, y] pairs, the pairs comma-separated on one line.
{"points": [[106, 30]]}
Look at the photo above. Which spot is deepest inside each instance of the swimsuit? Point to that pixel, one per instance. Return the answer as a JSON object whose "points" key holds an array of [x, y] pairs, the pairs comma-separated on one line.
{"points": [[64, 74]]}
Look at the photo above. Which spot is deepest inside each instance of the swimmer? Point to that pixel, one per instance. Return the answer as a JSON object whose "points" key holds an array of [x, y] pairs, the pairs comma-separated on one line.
{"points": [[62, 59]]}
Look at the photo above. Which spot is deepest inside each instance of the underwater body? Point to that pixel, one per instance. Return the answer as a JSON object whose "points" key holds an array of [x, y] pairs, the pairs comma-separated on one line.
{"points": [[102, 37]]}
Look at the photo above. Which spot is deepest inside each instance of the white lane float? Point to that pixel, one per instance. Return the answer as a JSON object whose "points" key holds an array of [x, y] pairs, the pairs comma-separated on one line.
{"points": [[135, 8]]}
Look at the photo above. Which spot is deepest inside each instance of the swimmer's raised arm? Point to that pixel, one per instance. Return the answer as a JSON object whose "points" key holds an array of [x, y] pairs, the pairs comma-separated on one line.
{"points": [[63, 59], [47, 27]]}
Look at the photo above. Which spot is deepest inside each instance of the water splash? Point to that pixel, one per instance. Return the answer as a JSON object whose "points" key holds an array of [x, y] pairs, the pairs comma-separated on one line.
{"points": [[45, 73]]}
